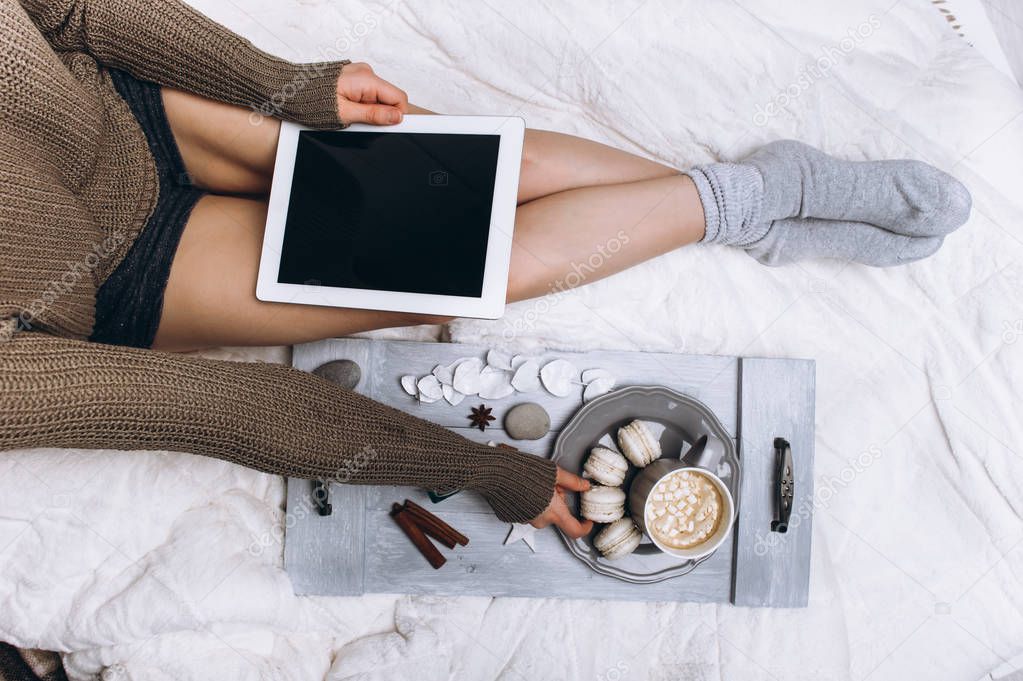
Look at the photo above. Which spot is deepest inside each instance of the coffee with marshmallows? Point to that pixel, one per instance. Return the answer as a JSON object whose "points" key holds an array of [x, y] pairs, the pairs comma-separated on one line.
{"points": [[684, 509]]}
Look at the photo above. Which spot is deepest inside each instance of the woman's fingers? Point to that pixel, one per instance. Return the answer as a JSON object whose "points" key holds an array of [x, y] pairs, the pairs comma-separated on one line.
{"points": [[571, 481], [557, 512], [568, 523], [365, 97], [563, 517], [391, 94], [374, 114]]}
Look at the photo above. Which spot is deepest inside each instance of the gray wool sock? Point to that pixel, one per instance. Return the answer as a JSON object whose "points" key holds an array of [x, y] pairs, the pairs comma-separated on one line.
{"points": [[903, 196], [878, 213], [795, 239]]}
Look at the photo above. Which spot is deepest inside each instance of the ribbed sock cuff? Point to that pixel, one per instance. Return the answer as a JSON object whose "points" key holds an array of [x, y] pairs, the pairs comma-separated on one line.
{"points": [[711, 215], [731, 195]]}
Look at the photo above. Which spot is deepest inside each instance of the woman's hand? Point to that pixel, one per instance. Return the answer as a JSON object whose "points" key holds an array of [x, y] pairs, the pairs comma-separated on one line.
{"points": [[557, 512], [365, 97]]}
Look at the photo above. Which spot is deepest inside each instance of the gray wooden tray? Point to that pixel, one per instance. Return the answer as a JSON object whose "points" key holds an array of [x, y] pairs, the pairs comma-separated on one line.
{"points": [[359, 549]]}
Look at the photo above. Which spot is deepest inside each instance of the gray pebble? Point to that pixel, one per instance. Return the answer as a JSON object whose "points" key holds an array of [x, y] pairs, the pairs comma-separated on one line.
{"points": [[527, 421], [343, 372]]}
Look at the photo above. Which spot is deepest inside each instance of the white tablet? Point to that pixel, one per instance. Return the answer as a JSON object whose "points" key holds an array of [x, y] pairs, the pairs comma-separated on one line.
{"points": [[414, 217]]}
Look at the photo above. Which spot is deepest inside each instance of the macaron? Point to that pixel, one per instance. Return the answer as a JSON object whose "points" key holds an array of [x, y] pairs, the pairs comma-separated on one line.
{"points": [[606, 466], [638, 443], [618, 539], [603, 504]]}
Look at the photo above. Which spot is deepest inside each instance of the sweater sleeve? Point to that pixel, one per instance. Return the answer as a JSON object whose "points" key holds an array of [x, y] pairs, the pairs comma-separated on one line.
{"points": [[56, 392], [168, 42]]}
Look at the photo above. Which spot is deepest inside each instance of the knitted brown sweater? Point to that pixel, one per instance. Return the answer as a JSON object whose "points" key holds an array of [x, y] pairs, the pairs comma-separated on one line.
{"points": [[77, 184]]}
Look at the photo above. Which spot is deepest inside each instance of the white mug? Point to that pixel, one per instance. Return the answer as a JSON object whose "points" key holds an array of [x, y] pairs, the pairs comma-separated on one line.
{"points": [[639, 500]]}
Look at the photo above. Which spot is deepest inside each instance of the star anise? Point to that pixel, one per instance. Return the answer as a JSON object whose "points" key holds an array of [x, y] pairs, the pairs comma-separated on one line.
{"points": [[480, 417]]}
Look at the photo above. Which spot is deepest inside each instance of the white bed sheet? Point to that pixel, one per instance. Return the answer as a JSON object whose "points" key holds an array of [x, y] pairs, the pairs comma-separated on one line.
{"points": [[141, 566]]}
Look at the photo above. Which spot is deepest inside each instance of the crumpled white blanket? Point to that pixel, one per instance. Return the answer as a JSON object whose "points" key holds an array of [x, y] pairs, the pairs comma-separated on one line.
{"points": [[139, 566]]}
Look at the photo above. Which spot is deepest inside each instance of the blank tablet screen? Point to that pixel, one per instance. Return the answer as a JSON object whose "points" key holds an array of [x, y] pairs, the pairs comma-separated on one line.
{"points": [[403, 212]]}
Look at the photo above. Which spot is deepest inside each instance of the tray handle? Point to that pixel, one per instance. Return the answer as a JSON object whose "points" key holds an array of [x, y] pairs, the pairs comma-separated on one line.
{"points": [[784, 490]]}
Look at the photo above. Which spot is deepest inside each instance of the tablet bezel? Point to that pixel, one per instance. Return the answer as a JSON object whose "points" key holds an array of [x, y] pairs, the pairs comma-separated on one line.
{"points": [[490, 305]]}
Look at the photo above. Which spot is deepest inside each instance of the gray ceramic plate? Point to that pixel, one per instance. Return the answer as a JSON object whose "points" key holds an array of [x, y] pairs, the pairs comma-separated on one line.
{"points": [[677, 420]]}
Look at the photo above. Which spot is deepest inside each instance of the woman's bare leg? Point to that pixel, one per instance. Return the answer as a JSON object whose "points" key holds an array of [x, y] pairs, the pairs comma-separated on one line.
{"points": [[226, 153], [578, 236], [210, 298], [223, 151], [561, 241], [555, 162], [589, 211]]}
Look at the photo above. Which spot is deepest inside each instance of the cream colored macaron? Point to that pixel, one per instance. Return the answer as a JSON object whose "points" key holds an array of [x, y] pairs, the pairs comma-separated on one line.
{"points": [[606, 466], [618, 539], [603, 504], [638, 443]]}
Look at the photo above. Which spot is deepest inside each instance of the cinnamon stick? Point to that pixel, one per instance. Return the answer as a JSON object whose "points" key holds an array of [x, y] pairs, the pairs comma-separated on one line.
{"points": [[437, 527], [429, 531], [412, 531]]}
